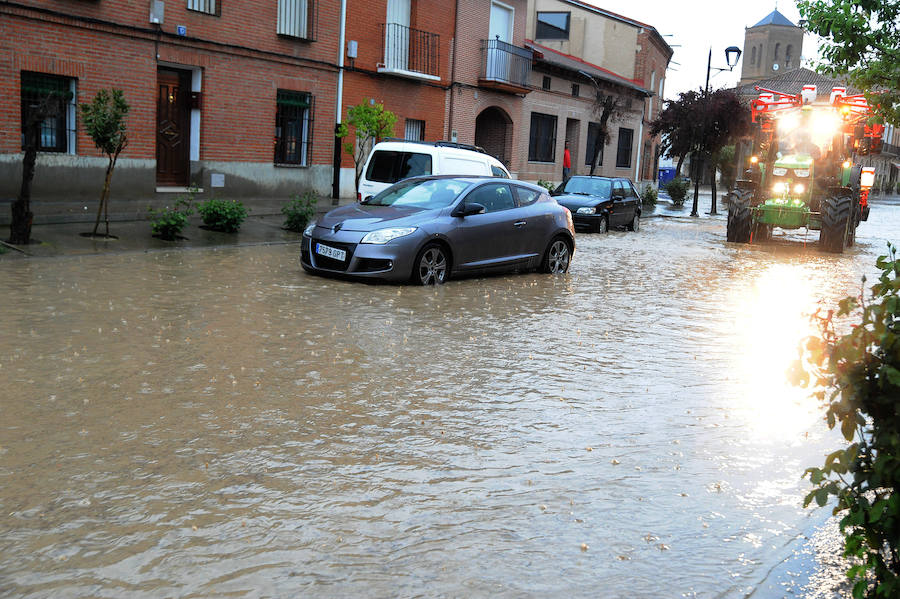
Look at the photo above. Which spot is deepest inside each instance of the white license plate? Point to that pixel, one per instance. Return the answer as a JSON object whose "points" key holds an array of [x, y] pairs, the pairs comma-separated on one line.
{"points": [[330, 252]]}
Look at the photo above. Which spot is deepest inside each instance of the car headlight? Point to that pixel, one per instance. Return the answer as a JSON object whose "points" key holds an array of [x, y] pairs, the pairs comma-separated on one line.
{"points": [[586, 210], [308, 231], [382, 236]]}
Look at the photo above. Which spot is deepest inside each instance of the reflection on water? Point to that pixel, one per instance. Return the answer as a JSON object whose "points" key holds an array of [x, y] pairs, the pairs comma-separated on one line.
{"points": [[212, 423]]}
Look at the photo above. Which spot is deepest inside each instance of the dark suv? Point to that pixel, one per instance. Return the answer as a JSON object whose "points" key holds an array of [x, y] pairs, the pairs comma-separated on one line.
{"points": [[598, 203]]}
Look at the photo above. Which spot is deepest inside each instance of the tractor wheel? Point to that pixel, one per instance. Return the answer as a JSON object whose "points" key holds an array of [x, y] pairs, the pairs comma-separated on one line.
{"points": [[762, 232], [836, 214], [738, 229]]}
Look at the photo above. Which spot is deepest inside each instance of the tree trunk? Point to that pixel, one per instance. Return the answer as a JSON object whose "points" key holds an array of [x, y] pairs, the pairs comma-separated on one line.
{"points": [[695, 168], [103, 199], [714, 160], [609, 104], [679, 165], [22, 216]]}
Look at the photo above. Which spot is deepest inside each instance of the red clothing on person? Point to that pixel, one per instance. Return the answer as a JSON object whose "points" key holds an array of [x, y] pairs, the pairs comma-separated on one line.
{"points": [[567, 160]]}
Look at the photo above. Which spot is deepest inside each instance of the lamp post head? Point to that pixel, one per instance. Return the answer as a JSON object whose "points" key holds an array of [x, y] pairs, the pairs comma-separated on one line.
{"points": [[732, 54]]}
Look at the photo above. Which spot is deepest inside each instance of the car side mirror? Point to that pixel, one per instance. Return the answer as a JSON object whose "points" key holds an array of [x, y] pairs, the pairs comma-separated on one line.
{"points": [[468, 209]]}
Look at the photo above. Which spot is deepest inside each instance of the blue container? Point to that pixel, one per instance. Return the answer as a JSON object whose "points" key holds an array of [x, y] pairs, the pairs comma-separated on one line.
{"points": [[666, 174]]}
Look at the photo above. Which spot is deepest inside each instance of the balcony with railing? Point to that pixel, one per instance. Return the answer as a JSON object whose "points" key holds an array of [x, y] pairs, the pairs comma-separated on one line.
{"points": [[505, 67], [890, 149], [409, 52]]}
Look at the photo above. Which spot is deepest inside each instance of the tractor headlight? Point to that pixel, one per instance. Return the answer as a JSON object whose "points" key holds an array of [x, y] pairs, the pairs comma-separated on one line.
{"points": [[779, 187], [801, 172], [779, 171], [799, 188]]}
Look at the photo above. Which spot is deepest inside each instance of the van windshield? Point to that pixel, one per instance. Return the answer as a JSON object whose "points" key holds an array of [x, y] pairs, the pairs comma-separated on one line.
{"points": [[390, 166]]}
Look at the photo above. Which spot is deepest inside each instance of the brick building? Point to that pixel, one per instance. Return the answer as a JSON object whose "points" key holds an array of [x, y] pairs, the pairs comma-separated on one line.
{"points": [[231, 95], [400, 56]]}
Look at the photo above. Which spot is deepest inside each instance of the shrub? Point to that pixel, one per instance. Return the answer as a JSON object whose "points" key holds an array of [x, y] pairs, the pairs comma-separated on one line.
{"points": [[222, 215], [856, 376], [648, 196], [548, 185], [677, 189], [299, 211], [169, 222]]}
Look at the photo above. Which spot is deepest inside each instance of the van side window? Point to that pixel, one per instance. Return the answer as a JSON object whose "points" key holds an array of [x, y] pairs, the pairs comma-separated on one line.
{"points": [[499, 172], [388, 166]]}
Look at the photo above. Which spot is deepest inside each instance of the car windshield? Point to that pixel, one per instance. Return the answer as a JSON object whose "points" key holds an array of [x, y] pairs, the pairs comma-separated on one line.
{"points": [[587, 185], [428, 195]]}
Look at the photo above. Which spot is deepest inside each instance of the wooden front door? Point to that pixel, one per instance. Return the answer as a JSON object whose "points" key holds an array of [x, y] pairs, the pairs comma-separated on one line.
{"points": [[172, 128]]}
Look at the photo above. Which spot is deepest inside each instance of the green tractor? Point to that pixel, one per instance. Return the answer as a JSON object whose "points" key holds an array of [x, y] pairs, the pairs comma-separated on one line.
{"points": [[807, 179]]}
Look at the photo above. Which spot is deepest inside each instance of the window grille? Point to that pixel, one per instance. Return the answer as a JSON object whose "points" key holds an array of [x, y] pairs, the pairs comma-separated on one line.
{"points": [[415, 130], [545, 83], [576, 90], [296, 18], [542, 138], [293, 127], [210, 7], [56, 94], [593, 134]]}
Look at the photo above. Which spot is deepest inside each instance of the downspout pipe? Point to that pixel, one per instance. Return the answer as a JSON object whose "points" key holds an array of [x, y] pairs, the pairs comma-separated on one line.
{"points": [[453, 71], [336, 162]]}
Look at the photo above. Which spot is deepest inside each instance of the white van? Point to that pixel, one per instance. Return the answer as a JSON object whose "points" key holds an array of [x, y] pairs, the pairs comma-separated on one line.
{"points": [[391, 161]]}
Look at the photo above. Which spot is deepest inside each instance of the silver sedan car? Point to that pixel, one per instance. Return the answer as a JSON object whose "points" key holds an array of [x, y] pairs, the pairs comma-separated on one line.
{"points": [[427, 229]]}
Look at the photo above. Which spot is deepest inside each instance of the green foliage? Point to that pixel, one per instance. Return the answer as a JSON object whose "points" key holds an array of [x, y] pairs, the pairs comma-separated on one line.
{"points": [[860, 39], [299, 211], [677, 189], [222, 215], [649, 196], [857, 377], [104, 121], [169, 222], [370, 122], [700, 123], [548, 185], [726, 165]]}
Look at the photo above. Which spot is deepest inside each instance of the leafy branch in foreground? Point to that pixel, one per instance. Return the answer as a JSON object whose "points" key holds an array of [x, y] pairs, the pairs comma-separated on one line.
{"points": [[857, 377]]}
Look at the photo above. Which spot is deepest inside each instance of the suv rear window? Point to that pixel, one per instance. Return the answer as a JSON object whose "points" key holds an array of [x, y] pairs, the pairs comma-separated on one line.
{"points": [[389, 166]]}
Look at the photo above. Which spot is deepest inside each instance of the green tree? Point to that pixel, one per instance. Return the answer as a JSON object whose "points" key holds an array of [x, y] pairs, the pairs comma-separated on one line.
{"points": [[104, 120], [861, 40], [856, 376], [701, 124], [370, 122]]}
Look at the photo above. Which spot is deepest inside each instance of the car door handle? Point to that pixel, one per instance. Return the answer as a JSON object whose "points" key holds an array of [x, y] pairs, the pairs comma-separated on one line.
{"points": [[520, 223]]}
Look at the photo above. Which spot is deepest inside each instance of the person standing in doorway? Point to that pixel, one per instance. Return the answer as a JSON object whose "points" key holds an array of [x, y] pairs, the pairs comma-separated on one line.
{"points": [[567, 163]]}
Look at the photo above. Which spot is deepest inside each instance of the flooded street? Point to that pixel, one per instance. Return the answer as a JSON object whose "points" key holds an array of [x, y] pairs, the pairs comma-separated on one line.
{"points": [[219, 423]]}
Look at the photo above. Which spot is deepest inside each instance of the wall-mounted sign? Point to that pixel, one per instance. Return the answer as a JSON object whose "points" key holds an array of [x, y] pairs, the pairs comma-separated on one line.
{"points": [[182, 30]]}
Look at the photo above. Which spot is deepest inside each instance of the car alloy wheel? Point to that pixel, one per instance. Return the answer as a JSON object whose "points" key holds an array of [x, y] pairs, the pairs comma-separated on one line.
{"points": [[431, 267], [557, 257]]}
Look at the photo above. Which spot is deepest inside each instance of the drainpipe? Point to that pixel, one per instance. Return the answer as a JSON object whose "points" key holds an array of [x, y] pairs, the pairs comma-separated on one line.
{"points": [[336, 162], [453, 70], [640, 146]]}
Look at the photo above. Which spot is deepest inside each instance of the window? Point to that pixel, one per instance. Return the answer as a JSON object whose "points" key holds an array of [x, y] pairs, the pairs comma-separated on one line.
{"points": [[54, 98], [545, 84], [526, 196], [753, 55], [415, 130], [623, 152], [210, 7], [293, 18], [552, 26], [293, 127], [542, 138], [575, 89], [593, 133], [777, 48], [494, 197], [389, 166], [496, 171], [787, 55]]}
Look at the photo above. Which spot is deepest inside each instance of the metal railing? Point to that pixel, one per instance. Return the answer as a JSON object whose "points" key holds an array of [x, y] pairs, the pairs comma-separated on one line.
{"points": [[407, 49], [890, 149], [504, 62]]}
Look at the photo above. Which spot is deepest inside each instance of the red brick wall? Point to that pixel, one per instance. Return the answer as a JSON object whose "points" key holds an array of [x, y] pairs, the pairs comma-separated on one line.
{"points": [[239, 82]]}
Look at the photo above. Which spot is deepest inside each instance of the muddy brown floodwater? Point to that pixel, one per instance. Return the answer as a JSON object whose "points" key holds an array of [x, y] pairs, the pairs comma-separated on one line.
{"points": [[219, 423]]}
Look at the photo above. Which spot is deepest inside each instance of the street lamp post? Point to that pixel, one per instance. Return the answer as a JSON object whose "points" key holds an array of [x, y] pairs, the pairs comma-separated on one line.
{"points": [[732, 54]]}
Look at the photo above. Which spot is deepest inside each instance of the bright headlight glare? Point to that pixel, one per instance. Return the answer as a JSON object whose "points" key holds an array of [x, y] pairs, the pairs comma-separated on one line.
{"points": [[799, 188], [308, 231], [585, 210], [382, 236], [779, 187], [801, 172]]}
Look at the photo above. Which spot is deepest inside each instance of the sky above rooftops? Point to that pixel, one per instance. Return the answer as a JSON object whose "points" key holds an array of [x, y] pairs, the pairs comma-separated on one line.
{"points": [[691, 27]]}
